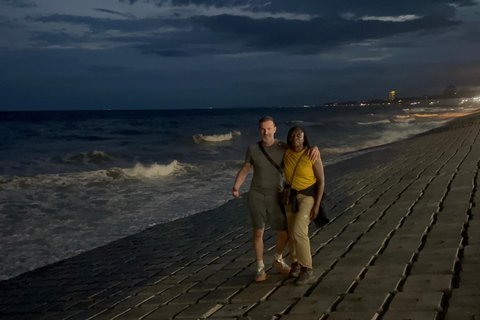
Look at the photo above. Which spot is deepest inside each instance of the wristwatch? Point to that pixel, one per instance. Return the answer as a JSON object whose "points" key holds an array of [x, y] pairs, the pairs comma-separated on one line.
{"points": [[234, 190]]}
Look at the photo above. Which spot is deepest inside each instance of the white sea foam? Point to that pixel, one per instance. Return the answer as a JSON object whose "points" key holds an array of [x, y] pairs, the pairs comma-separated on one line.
{"points": [[215, 138], [374, 122], [153, 171], [396, 133], [55, 216]]}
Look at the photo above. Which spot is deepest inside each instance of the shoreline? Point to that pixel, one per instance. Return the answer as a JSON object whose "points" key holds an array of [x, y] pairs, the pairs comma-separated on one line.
{"points": [[351, 156], [405, 243]]}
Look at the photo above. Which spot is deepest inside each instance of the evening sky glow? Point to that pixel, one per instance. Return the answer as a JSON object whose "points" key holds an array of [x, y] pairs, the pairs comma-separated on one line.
{"points": [[156, 54]]}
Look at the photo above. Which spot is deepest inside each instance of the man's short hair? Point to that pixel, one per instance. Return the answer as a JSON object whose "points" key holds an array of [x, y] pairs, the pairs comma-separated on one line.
{"points": [[265, 119]]}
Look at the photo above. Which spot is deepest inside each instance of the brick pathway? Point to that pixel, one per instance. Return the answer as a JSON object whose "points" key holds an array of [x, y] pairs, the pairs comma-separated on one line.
{"points": [[405, 244]]}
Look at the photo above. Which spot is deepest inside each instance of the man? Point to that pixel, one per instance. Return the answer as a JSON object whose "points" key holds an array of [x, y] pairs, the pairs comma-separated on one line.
{"points": [[263, 204]]}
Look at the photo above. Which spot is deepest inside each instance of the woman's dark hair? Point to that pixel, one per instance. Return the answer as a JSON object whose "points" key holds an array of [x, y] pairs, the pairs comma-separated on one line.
{"points": [[305, 139]]}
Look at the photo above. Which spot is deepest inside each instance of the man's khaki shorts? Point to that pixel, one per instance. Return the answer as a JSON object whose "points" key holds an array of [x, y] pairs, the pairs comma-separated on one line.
{"points": [[264, 209]]}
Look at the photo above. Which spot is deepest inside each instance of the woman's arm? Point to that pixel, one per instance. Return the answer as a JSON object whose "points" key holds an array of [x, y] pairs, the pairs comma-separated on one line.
{"points": [[320, 176]]}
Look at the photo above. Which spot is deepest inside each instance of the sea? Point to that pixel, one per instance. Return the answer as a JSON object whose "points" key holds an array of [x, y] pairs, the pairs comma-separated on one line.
{"points": [[71, 181]]}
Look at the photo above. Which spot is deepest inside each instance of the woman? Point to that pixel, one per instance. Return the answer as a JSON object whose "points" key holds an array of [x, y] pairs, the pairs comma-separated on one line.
{"points": [[308, 183]]}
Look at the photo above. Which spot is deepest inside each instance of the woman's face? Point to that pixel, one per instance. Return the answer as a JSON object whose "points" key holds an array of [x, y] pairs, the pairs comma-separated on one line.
{"points": [[296, 139]]}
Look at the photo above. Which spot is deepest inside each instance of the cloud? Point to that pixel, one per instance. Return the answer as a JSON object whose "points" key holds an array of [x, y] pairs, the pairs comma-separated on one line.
{"points": [[306, 37], [19, 3], [125, 15], [403, 18]]}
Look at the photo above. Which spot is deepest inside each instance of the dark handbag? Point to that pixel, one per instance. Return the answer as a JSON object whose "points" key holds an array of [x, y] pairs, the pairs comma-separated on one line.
{"points": [[322, 218]]}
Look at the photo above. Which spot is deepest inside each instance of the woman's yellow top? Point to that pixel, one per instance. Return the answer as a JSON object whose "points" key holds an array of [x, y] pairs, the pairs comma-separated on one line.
{"points": [[304, 175]]}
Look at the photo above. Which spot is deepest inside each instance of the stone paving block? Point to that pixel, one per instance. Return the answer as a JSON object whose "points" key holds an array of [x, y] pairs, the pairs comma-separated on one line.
{"points": [[86, 304], [288, 293], [378, 285], [463, 313], [438, 254], [219, 295], [389, 258], [469, 264], [318, 305], [448, 230], [271, 308], [473, 239], [354, 302], [472, 251], [356, 260], [132, 302], [154, 289], [410, 315], [198, 311], [322, 263], [463, 297], [189, 297], [438, 266], [161, 299], [410, 230], [86, 314], [236, 282], [439, 240], [393, 270], [417, 301], [347, 272], [333, 287], [352, 315], [224, 274], [238, 264], [469, 280], [404, 243], [253, 293], [165, 312], [173, 279], [294, 317], [233, 310], [136, 313], [179, 288], [428, 283], [110, 314]]}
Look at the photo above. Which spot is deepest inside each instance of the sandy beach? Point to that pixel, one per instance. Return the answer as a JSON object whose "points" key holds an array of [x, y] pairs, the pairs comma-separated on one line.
{"points": [[403, 243]]}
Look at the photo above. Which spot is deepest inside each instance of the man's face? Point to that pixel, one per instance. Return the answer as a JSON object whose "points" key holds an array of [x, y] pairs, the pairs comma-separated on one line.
{"points": [[268, 129]]}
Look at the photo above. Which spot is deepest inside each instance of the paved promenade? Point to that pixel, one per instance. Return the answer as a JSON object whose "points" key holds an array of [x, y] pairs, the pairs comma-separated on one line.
{"points": [[405, 244]]}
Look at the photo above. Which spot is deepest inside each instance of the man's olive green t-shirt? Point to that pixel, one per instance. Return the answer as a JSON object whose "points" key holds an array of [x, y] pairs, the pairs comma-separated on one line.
{"points": [[266, 178]]}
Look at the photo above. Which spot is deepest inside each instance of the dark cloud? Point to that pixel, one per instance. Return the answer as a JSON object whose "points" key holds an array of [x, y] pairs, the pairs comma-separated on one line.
{"points": [[99, 25], [328, 7], [126, 15], [371, 7], [239, 34], [19, 3], [311, 36]]}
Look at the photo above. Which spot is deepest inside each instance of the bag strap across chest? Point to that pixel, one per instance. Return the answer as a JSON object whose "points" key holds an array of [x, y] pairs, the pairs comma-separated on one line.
{"points": [[269, 159]]}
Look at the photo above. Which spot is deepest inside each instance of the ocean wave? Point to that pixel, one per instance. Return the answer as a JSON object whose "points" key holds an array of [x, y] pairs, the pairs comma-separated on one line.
{"points": [[374, 122], [94, 157], [215, 138], [401, 131], [141, 171]]}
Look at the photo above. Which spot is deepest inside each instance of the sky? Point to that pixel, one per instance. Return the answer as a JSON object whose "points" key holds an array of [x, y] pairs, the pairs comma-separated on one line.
{"points": [[181, 54]]}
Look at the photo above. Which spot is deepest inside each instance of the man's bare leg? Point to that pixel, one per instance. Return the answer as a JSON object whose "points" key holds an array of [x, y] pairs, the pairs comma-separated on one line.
{"points": [[282, 241], [258, 246], [258, 243]]}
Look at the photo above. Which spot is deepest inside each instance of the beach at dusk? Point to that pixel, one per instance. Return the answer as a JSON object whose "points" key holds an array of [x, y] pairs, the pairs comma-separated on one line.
{"points": [[402, 243], [126, 123]]}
